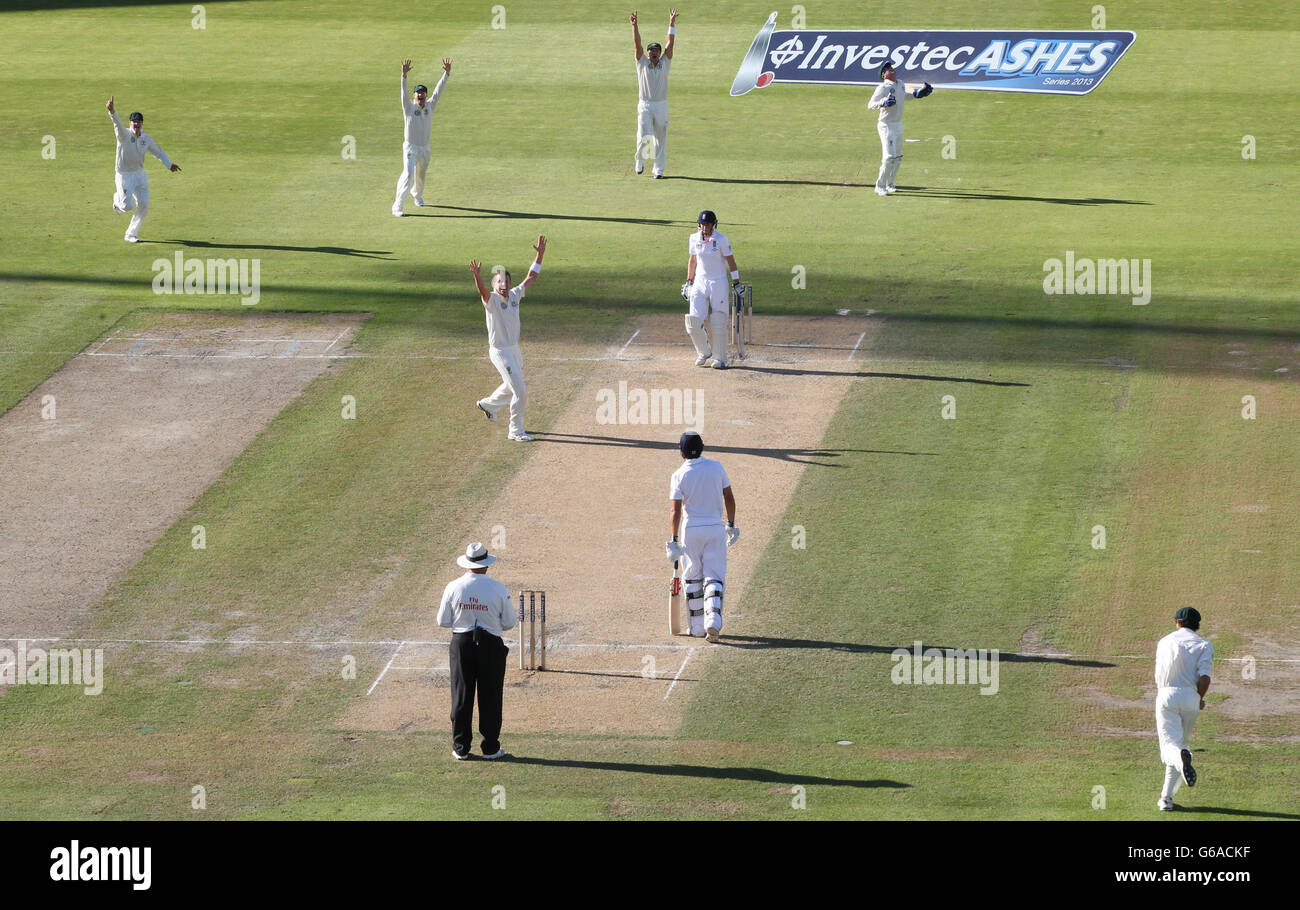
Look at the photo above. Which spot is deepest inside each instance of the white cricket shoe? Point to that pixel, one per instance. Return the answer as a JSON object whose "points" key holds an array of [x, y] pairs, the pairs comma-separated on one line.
{"points": [[130, 239], [880, 192], [711, 635], [1166, 804], [499, 753], [486, 413], [520, 437], [419, 200], [891, 190], [702, 360], [398, 213], [640, 167], [459, 756], [719, 364], [1189, 773], [117, 208]]}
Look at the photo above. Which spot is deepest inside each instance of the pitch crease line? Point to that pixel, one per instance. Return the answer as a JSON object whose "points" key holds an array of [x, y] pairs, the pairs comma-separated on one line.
{"points": [[685, 660], [385, 670]]}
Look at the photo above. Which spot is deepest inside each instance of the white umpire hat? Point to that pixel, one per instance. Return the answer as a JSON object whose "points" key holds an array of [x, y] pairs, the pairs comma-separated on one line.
{"points": [[476, 557]]}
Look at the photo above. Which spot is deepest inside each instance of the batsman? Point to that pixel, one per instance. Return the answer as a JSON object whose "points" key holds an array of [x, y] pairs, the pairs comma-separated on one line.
{"points": [[700, 489]]}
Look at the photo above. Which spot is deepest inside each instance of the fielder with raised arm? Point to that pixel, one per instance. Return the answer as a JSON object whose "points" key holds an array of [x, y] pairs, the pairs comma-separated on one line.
{"points": [[502, 307], [701, 489], [652, 98], [888, 99], [709, 260], [132, 183], [417, 149]]}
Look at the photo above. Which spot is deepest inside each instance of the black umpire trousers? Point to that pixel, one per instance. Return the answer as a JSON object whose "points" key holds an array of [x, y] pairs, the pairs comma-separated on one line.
{"points": [[478, 662]]}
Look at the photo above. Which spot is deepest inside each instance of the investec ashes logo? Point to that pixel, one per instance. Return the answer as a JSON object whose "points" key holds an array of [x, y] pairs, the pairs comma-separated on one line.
{"points": [[1049, 62]]}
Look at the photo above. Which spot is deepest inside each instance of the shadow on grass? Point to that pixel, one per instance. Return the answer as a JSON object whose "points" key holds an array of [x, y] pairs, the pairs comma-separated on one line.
{"points": [[798, 456], [793, 371], [1244, 813], [332, 250], [917, 191], [707, 772], [752, 642], [544, 216]]}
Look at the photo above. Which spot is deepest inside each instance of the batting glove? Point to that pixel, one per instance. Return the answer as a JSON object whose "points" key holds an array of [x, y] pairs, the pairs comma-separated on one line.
{"points": [[686, 292], [674, 550], [733, 534]]}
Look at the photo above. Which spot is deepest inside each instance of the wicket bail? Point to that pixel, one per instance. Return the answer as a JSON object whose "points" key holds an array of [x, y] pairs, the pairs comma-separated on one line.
{"points": [[528, 657]]}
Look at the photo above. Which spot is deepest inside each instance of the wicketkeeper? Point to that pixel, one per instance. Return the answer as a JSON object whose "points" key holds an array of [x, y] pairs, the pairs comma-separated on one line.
{"points": [[888, 99]]}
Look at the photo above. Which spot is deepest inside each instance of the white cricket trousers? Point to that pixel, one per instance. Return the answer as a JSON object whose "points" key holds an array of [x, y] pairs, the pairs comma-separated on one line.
{"points": [[652, 129], [708, 302], [1176, 713], [891, 153], [415, 166], [510, 364], [705, 569], [132, 194]]}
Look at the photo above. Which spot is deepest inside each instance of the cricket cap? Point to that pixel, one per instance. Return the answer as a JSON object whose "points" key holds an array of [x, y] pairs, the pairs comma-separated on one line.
{"points": [[654, 46], [136, 117], [691, 444], [421, 88], [885, 66], [1189, 617]]}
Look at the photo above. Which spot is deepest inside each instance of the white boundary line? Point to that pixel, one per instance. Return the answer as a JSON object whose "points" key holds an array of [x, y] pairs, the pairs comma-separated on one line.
{"points": [[685, 660], [385, 670]]}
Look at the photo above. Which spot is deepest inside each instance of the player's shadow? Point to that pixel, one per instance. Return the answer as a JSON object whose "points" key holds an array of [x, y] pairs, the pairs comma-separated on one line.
{"points": [[545, 216], [939, 193], [864, 374], [757, 775], [798, 456], [1245, 813], [332, 250], [754, 642]]}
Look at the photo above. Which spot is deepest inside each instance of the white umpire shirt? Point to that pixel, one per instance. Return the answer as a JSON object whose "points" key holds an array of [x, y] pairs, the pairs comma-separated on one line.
{"points": [[699, 483], [131, 148], [1182, 658], [419, 120], [652, 81], [893, 113], [477, 600], [710, 255], [503, 317]]}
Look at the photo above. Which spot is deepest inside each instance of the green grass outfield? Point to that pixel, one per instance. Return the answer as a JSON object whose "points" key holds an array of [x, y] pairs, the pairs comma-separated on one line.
{"points": [[1111, 414]]}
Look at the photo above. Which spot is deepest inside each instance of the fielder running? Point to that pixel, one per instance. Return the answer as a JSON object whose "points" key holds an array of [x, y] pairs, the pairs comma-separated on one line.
{"points": [[888, 99], [1183, 661], [709, 258], [416, 145], [652, 98], [132, 183], [701, 489], [502, 307]]}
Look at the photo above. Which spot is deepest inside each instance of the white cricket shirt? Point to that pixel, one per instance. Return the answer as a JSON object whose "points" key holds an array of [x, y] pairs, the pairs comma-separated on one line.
{"points": [[131, 148], [476, 600], [699, 483], [503, 317], [884, 91], [652, 81], [710, 255], [419, 120], [1182, 658]]}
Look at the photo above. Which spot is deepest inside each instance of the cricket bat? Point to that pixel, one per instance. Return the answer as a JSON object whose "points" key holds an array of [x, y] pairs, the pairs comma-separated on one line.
{"points": [[675, 601]]}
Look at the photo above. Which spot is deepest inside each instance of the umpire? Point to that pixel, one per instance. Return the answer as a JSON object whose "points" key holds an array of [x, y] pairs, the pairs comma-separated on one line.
{"points": [[478, 610]]}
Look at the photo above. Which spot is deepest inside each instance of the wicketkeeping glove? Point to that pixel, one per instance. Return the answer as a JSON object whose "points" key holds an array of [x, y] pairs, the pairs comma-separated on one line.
{"points": [[890, 103], [922, 92]]}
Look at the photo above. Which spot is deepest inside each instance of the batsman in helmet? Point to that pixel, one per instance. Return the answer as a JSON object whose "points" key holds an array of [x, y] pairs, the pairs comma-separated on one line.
{"points": [[711, 272], [700, 491]]}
